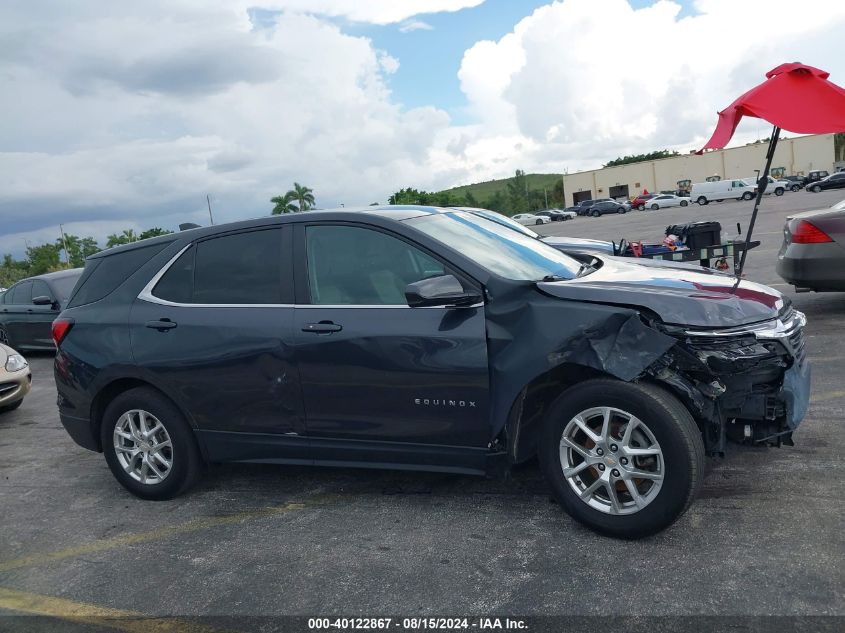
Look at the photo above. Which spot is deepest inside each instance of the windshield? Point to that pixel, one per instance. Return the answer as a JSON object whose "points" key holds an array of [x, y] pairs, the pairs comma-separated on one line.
{"points": [[497, 247]]}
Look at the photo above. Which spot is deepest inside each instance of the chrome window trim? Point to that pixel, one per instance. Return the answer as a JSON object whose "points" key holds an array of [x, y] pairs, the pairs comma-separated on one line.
{"points": [[147, 295]]}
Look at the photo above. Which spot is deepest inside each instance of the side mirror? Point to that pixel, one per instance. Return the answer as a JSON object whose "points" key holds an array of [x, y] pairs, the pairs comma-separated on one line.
{"points": [[43, 300], [444, 290]]}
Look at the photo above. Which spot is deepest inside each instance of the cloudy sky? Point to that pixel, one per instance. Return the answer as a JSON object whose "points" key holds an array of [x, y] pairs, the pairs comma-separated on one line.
{"points": [[126, 114]]}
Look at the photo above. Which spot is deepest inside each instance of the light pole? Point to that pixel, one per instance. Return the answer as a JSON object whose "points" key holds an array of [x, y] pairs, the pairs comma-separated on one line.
{"points": [[208, 200]]}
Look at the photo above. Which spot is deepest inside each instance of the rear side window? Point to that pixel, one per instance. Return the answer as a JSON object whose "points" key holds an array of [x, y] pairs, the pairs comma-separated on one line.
{"points": [[104, 274], [244, 268]]}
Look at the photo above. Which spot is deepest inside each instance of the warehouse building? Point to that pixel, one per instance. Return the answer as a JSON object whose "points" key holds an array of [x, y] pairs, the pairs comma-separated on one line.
{"points": [[794, 157]]}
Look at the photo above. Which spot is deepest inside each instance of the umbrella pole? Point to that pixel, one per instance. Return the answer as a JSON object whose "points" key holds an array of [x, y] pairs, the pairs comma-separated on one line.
{"points": [[761, 189]]}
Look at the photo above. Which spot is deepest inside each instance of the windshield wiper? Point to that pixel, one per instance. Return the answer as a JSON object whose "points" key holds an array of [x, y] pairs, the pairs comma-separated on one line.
{"points": [[554, 278]]}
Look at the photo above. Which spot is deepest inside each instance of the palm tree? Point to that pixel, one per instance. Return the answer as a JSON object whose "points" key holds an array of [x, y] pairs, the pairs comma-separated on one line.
{"points": [[304, 195], [283, 204]]}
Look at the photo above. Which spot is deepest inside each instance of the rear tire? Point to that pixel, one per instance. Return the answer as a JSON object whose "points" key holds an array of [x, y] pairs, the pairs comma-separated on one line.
{"points": [[186, 463], [684, 203], [595, 214], [655, 207], [538, 222], [670, 431], [641, 207], [815, 189]]}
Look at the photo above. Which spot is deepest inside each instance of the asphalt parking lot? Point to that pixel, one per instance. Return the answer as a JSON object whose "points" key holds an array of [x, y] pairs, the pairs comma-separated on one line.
{"points": [[764, 537]]}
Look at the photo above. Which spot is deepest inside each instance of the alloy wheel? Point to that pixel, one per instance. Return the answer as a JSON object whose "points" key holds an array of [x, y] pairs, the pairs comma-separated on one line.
{"points": [[611, 460], [143, 447]]}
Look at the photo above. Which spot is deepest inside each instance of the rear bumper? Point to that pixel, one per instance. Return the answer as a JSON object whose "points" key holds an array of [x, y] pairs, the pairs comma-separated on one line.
{"points": [[81, 431], [816, 266]]}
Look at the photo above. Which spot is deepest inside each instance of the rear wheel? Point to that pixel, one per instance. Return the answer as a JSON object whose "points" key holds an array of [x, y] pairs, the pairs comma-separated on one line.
{"points": [[620, 210], [624, 459], [815, 189], [684, 203], [595, 214], [795, 187], [701, 200], [538, 222], [640, 207], [149, 446]]}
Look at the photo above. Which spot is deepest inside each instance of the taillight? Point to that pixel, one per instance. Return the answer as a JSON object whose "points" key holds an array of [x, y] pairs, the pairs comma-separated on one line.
{"points": [[807, 233], [60, 329]]}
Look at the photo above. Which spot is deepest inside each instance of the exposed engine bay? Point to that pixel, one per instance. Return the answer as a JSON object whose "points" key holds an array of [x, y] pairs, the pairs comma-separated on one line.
{"points": [[733, 379]]}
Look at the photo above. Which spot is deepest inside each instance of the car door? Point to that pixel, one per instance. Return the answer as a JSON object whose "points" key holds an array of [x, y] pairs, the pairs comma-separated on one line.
{"points": [[214, 328], [38, 328], [16, 303], [383, 382]]}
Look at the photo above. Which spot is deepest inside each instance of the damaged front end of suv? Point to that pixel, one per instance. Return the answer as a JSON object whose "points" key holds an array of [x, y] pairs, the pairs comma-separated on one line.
{"points": [[747, 384]]}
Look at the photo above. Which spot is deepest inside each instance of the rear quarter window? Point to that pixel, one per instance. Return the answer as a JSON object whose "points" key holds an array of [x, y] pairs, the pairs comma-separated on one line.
{"points": [[103, 275]]}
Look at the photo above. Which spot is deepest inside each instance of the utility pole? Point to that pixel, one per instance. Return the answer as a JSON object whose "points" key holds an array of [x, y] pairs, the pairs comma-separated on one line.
{"points": [[208, 200], [64, 243], [546, 193]]}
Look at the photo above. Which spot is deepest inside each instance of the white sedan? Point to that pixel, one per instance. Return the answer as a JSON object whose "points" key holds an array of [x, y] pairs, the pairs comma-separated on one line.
{"points": [[667, 200], [530, 218]]}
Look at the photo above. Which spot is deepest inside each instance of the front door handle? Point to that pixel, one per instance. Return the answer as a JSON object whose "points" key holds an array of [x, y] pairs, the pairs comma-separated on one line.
{"points": [[323, 327], [161, 324]]}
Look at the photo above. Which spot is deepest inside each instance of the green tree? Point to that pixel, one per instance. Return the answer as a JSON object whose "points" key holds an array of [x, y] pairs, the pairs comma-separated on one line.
{"points": [[498, 202], [639, 158], [153, 232], [12, 271], [116, 239], [518, 193], [303, 195], [470, 201], [78, 248], [42, 259], [283, 205]]}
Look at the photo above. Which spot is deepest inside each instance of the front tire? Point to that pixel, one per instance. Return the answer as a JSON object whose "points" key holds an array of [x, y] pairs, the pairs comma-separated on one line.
{"points": [[748, 195], [684, 203], [149, 446], [624, 459], [815, 189], [538, 222], [779, 191], [655, 207], [641, 207], [595, 214]]}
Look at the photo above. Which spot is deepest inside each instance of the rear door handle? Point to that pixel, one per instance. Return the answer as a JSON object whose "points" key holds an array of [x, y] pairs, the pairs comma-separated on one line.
{"points": [[161, 324], [323, 327]]}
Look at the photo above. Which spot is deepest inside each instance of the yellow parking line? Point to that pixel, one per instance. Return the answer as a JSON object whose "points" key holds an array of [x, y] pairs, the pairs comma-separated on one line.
{"points": [[827, 395], [85, 613], [160, 533]]}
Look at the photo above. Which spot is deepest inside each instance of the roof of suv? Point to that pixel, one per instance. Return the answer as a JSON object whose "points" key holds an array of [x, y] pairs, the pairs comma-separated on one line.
{"points": [[394, 212]]}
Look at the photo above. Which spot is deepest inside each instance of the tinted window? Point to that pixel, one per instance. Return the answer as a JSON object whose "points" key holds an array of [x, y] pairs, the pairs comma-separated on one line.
{"points": [[19, 294], [244, 268], [41, 289], [349, 265], [104, 274], [64, 285]]}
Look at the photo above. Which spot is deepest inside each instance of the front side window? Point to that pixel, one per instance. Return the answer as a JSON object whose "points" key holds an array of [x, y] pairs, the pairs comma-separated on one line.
{"points": [[41, 289], [350, 265], [496, 248], [239, 269]]}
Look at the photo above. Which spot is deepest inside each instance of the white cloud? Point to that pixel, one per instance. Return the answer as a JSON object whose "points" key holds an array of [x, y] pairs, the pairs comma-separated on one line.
{"points": [[127, 114], [414, 25], [582, 81]]}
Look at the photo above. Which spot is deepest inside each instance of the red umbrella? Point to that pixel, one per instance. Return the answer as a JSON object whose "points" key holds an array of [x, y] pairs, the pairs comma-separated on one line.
{"points": [[794, 97]]}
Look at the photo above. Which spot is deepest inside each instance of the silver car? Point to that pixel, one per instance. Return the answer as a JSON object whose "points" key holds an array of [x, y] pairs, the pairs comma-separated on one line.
{"points": [[813, 253]]}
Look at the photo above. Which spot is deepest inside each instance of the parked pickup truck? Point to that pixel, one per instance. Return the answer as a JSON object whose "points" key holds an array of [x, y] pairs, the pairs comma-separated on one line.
{"points": [[426, 339]]}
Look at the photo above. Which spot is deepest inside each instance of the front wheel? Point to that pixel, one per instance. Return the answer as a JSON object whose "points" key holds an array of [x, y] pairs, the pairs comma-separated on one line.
{"points": [[779, 191], [655, 206], [815, 189], [795, 188], [684, 203], [748, 195], [595, 214], [538, 222], [149, 446], [641, 207], [624, 459]]}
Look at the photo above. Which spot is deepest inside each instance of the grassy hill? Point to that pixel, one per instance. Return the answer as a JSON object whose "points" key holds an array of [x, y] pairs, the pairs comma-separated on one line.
{"points": [[484, 190]]}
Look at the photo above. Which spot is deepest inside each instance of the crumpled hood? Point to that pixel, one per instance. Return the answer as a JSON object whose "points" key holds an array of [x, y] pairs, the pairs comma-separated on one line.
{"points": [[679, 294]]}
